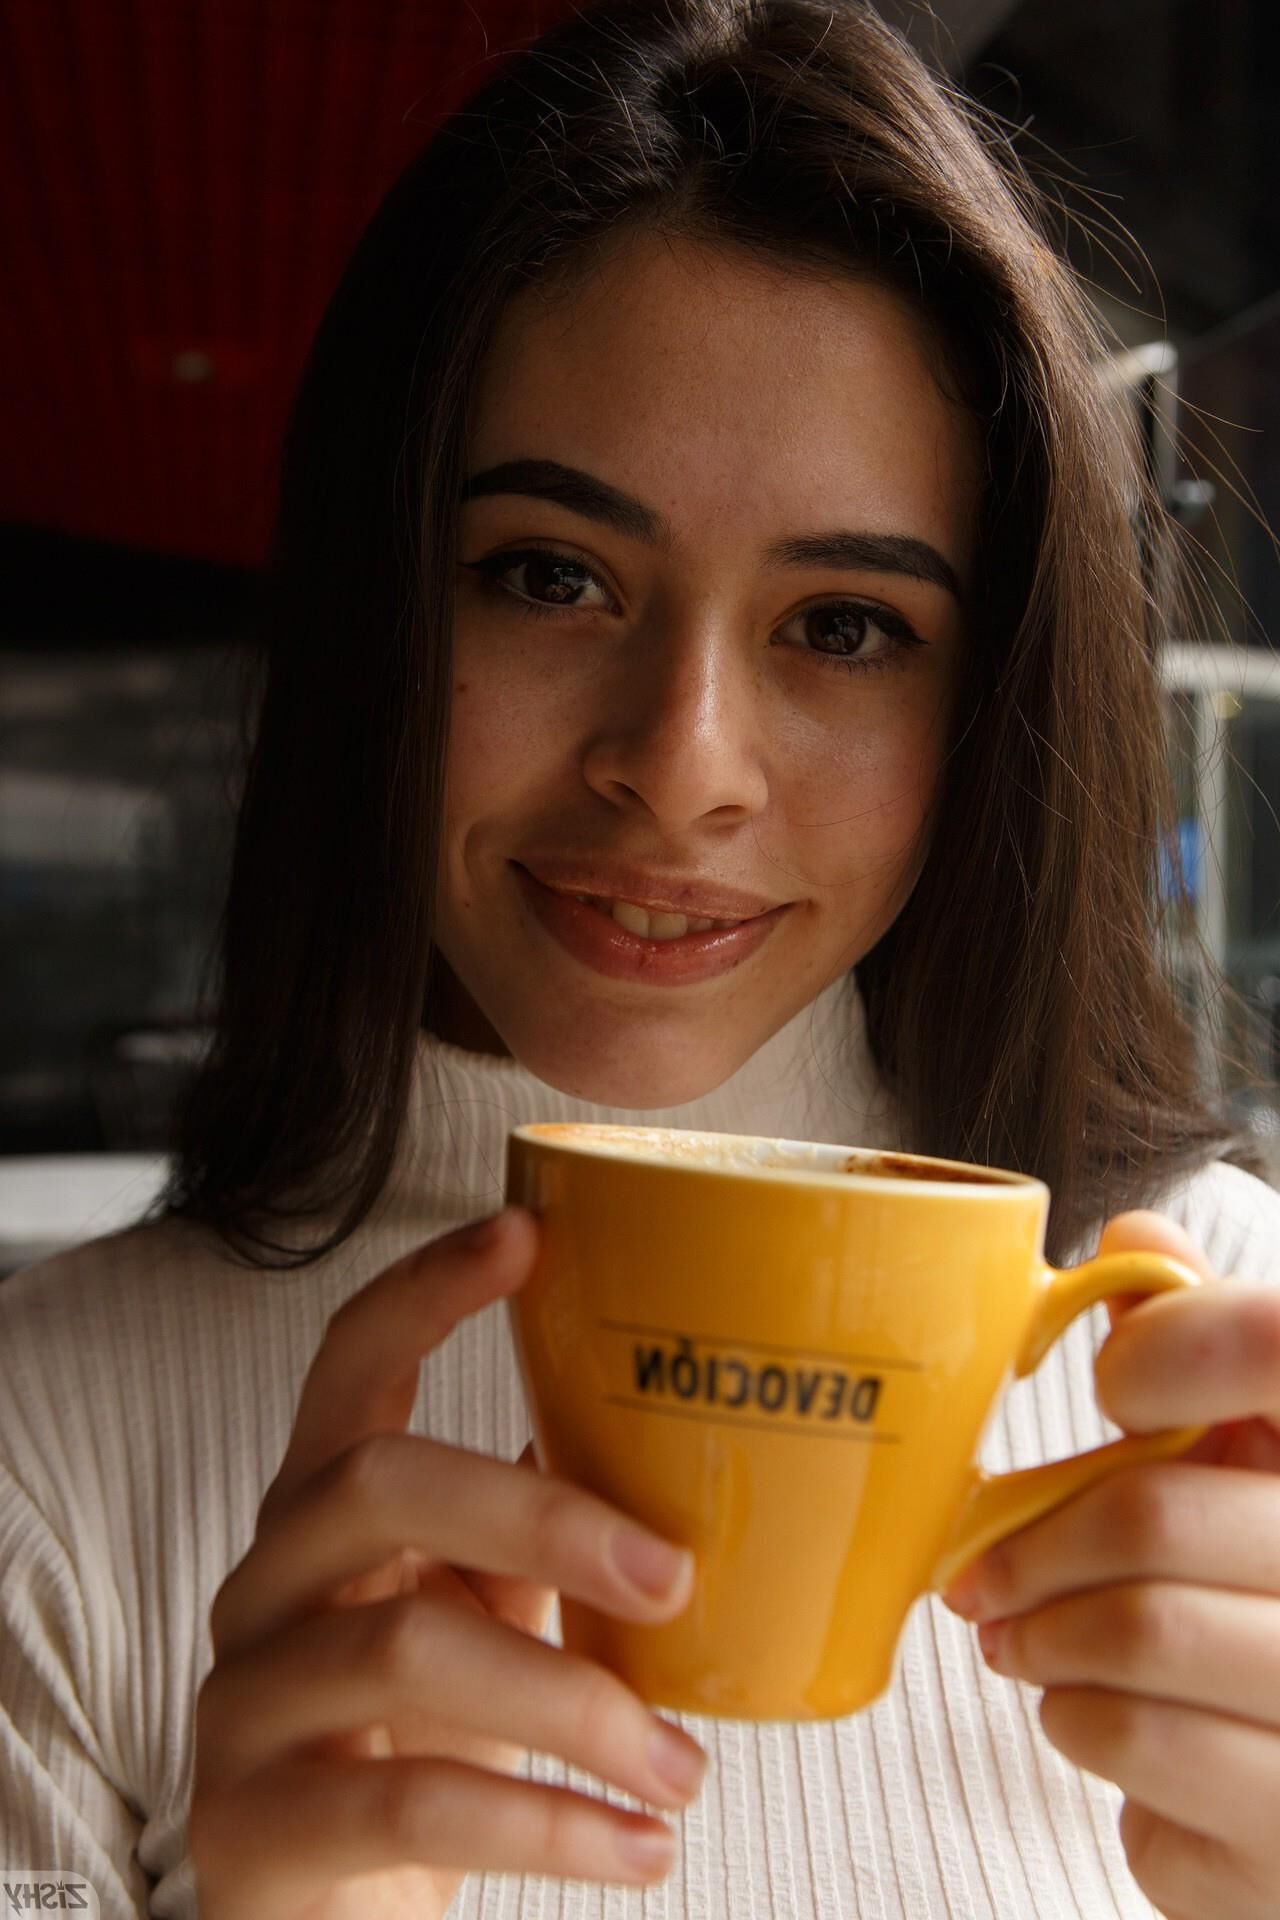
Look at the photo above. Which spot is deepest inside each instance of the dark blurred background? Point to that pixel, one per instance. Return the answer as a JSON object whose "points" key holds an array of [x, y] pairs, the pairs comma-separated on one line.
{"points": [[182, 181]]}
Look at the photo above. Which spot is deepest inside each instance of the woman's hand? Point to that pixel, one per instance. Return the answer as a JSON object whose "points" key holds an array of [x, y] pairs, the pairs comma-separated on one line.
{"points": [[1148, 1608], [378, 1672]]}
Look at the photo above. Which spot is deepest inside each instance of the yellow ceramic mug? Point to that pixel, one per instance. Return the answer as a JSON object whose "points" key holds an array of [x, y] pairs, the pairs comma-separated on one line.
{"points": [[784, 1356]]}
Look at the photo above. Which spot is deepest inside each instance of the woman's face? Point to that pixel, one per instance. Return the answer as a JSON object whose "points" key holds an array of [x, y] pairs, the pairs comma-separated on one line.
{"points": [[692, 704]]}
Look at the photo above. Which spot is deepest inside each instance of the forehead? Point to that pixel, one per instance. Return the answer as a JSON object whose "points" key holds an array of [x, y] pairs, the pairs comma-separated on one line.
{"points": [[711, 383]]}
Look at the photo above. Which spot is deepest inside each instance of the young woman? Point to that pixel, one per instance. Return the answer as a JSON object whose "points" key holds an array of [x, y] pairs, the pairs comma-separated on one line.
{"points": [[700, 499]]}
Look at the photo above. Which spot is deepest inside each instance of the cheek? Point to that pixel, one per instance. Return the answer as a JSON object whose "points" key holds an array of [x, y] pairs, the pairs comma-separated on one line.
{"points": [[857, 802], [493, 746]]}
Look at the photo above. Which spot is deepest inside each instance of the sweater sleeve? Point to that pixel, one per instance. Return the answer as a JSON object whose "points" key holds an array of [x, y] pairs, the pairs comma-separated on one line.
{"points": [[59, 1808]]}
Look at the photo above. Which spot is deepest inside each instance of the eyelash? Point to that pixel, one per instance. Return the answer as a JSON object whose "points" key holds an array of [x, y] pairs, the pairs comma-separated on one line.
{"points": [[891, 624]]}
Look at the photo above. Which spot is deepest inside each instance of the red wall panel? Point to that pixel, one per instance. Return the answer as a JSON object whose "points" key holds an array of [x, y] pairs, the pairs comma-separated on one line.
{"points": [[180, 184]]}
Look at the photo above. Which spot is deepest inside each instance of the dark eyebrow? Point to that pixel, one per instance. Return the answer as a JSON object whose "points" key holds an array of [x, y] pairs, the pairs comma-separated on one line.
{"points": [[596, 500]]}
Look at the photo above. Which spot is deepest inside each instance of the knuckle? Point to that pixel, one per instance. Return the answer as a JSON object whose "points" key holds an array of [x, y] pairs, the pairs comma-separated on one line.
{"points": [[1138, 1512], [601, 1708], [406, 1810], [554, 1521], [358, 1476], [1144, 1625], [1124, 1736], [558, 1830], [402, 1642]]}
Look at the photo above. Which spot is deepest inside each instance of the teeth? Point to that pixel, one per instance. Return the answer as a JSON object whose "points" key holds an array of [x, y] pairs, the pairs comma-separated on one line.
{"points": [[652, 926]]}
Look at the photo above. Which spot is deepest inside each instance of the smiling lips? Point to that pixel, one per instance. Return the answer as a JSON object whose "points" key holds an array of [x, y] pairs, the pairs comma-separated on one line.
{"points": [[624, 941], [607, 882]]}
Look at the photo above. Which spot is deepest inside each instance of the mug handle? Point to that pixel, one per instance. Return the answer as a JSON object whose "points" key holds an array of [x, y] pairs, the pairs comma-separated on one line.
{"points": [[996, 1504]]}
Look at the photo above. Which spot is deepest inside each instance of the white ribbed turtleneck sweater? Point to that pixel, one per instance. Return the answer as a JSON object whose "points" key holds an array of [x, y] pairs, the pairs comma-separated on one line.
{"points": [[147, 1391]]}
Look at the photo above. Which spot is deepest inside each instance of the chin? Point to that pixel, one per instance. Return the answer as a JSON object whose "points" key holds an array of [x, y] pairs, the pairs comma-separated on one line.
{"points": [[626, 1070]]}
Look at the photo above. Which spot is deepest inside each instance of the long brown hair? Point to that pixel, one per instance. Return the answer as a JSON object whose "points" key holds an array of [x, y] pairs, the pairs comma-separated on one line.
{"points": [[1019, 1007]]}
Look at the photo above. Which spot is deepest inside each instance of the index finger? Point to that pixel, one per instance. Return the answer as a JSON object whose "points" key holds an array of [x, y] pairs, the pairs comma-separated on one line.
{"points": [[364, 1377], [1194, 1359], [1141, 1231]]}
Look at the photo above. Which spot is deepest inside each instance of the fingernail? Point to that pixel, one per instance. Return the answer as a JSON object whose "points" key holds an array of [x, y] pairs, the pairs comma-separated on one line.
{"points": [[654, 1566], [676, 1759], [647, 1848]]}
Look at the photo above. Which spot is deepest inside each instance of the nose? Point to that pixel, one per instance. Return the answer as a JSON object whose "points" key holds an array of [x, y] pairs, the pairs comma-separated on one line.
{"points": [[683, 732]]}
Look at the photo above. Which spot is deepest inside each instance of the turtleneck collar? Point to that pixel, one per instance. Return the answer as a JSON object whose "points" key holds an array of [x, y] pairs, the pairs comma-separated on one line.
{"points": [[812, 1080]]}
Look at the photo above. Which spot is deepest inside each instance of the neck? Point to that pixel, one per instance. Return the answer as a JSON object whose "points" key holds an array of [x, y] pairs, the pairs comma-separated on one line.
{"points": [[813, 1079]]}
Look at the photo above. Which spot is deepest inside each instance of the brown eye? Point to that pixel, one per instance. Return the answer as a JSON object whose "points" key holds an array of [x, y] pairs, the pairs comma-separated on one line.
{"points": [[855, 634], [551, 580]]}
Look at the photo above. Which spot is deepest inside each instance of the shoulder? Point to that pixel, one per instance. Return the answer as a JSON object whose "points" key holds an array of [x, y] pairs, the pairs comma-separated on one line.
{"points": [[166, 1288], [156, 1347], [146, 1360], [107, 1352], [1233, 1215], [124, 1303]]}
